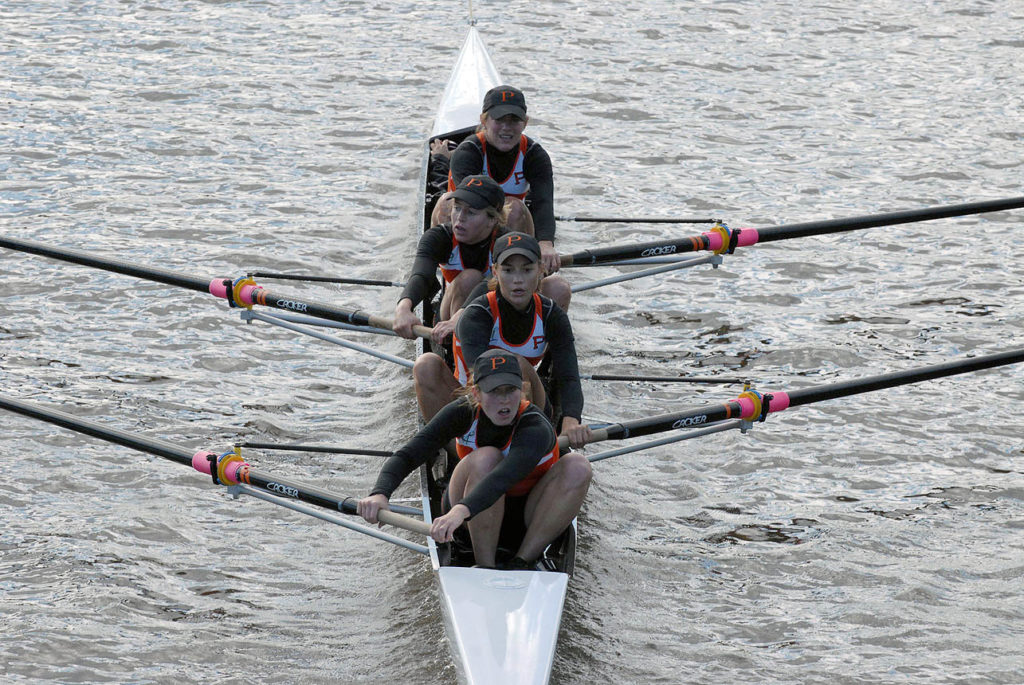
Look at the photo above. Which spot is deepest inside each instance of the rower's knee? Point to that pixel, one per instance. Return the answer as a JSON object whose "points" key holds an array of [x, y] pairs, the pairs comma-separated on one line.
{"points": [[482, 461], [576, 471], [558, 289], [442, 210], [466, 281], [427, 367], [519, 217]]}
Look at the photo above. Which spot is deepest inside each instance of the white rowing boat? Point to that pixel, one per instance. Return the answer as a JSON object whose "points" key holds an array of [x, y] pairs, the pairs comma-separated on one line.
{"points": [[502, 625]]}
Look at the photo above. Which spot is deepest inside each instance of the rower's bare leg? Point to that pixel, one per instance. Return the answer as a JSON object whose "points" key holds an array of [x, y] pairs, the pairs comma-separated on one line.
{"points": [[456, 292], [434, 384], [558, 289], [485, 527], [519, 218], [535, 393], [442, 213], [553, 503]]}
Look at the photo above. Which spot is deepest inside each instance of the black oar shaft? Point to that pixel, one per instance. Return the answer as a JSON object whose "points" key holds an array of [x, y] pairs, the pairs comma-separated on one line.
{"points": [[325, 449], [275, 485], [723, 380], [323, 279], [712, 240], [108, 264], [740, 407], [634, 220], [817, 393], [134, 441], [252, 293], [856, 223]]}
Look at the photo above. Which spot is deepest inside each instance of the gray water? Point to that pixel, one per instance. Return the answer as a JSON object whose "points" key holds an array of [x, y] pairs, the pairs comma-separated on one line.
{"points": [[866, 540]]}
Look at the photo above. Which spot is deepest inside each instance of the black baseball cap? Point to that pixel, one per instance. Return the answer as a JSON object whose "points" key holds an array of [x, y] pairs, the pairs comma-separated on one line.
{"points": [[480, 191], [495, 368], [503, 100], [515, 243]]}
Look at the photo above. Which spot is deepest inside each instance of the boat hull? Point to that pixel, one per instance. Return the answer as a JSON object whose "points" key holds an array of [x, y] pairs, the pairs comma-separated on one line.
{"points": [[503, 624]]}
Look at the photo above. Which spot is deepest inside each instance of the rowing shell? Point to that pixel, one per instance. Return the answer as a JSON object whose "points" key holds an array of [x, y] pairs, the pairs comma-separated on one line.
{"points": [[502, 625]]}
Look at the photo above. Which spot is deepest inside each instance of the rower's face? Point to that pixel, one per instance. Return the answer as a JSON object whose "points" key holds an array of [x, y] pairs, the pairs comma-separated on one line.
{"points": [[518, 278], [469, 224], [501, 404], [504, 133]]}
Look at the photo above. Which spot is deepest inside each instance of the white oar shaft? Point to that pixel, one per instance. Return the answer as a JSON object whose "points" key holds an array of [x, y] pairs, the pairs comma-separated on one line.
{"points": [[708, 259], [249, 315], [330, 518], [715, 428]]}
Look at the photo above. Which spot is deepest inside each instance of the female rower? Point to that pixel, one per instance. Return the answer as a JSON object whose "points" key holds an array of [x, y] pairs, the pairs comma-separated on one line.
{"points": [[510, 471], [522, 167], [462, 250], [513, 316]]}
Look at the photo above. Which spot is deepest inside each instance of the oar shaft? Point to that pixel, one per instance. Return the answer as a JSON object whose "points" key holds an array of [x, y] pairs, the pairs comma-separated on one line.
{"points": [[817, 393], [235, 471], [108, 264], [323, 279], [717, 239], [326, 449], [634, 220], [746, 408], [159, 448], [219, 287], [723, 380], [856, 223]]}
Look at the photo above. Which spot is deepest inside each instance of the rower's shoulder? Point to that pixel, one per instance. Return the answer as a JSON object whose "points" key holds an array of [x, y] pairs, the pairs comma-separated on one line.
{"points": [[469, 143], [549, 307], [457, 413], [534, 418], [435, 240], [477, 300]]}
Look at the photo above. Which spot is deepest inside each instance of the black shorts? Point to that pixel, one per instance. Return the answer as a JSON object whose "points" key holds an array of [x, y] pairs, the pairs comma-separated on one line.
{"points": [[513, 524]]}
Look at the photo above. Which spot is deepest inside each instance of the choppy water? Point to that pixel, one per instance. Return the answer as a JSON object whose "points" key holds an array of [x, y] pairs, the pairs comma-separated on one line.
{"points": [[873, 539]]}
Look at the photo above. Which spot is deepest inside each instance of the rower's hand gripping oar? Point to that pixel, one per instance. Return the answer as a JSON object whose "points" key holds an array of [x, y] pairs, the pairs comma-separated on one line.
{"points": [[752, 405], [244, 292], [240, 292], [721, 239]]}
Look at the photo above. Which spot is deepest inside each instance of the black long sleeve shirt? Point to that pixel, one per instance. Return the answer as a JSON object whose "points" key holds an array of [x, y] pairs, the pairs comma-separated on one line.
{"points": [[468, 159], [532, 437], [474, 333], [434, 249]]}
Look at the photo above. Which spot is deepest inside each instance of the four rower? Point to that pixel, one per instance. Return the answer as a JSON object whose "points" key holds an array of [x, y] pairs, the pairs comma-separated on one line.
{"points": [[510, 478], [505, 316]]}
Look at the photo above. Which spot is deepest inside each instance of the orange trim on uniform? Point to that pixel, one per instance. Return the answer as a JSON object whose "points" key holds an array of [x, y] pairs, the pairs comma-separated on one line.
{"points": [[515, 184], [535, 359], [467, 447]]}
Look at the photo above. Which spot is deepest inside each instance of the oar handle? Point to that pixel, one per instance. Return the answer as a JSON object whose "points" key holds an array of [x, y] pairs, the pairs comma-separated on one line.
{"points": [[386, 324], [404, 522], [247, 293], [596, 435]]}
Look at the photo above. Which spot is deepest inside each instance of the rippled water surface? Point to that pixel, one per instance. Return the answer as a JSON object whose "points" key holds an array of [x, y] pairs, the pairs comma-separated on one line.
{"points": [[871, 539]]}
